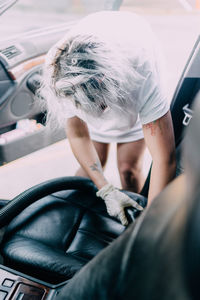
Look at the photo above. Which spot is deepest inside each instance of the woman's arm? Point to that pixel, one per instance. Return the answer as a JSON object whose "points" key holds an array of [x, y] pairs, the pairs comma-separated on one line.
{"points": [[159, 137], [84, 150], [85, 153]]}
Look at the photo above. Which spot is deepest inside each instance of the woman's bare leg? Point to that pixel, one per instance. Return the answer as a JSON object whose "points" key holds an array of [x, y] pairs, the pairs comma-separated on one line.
{"points": [[130, 162]]}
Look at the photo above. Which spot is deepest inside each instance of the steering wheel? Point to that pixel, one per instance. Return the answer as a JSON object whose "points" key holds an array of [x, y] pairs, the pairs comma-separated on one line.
{"points": [[26, 198]]}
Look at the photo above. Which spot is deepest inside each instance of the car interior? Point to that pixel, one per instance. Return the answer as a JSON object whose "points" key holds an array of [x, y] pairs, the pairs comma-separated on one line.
{"points": [[20, 75], [57, 240]]}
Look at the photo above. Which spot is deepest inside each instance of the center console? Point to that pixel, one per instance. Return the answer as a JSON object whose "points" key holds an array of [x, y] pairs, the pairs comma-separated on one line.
{"points": [[17, 286]]}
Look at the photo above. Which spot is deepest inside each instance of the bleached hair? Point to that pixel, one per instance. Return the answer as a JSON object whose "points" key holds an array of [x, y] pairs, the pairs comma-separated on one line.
{"points": [[89, 74]]}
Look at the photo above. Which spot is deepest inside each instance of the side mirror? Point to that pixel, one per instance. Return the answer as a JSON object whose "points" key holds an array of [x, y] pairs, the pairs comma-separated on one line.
{"points": [[5, 4]]}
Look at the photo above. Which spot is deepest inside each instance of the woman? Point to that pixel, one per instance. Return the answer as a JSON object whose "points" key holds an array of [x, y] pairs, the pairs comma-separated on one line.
{"points": [[104, 81]]}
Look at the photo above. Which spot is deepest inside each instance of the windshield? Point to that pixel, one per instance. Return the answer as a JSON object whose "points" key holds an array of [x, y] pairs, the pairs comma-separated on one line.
{"points": [[28, 15]]}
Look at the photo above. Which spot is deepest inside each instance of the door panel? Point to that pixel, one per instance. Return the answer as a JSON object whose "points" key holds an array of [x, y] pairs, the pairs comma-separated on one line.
{"points": [[186, 91]]}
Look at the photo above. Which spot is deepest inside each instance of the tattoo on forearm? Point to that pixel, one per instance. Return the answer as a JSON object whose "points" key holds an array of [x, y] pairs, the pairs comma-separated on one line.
{"points": [[153, 127], [96, 167]]}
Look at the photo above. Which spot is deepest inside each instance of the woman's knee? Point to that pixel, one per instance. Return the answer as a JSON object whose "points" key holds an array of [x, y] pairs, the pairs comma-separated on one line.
{"points": [[131, 176], [129, 171], [81, 172]]}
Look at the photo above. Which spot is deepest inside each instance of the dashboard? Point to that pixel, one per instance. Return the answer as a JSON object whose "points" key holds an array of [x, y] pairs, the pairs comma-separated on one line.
{"points": [[21, 61]]}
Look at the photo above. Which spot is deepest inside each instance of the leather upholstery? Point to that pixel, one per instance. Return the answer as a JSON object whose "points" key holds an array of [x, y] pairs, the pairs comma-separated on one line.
{"points": [[145, 262], [54, 237]]}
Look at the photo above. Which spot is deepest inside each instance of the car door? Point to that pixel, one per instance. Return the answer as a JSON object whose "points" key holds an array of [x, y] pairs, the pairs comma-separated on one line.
{"points": [[22, 119]]}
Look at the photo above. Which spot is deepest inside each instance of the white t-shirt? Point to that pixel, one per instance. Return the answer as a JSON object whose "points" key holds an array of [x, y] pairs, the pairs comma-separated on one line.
{"points": [[133, 37]]}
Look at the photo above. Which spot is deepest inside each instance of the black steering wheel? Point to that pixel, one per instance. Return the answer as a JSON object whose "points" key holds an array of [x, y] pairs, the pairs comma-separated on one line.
{"points": [[26, 198]]}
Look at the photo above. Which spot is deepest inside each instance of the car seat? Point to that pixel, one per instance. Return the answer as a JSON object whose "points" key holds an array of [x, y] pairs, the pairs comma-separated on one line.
{"points": [[55, 236]]}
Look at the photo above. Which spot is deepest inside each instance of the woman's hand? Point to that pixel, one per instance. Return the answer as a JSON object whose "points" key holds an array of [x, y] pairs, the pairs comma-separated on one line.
{"points": [[116, 201]]}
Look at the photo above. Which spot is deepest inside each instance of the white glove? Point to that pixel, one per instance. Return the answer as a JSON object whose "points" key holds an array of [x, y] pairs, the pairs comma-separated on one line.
{"points": [[116, 201]]}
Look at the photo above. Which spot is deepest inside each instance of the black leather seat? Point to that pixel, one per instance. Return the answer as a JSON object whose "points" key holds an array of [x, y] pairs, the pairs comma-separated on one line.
{"points": [[144, 262], [54, 237]]}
